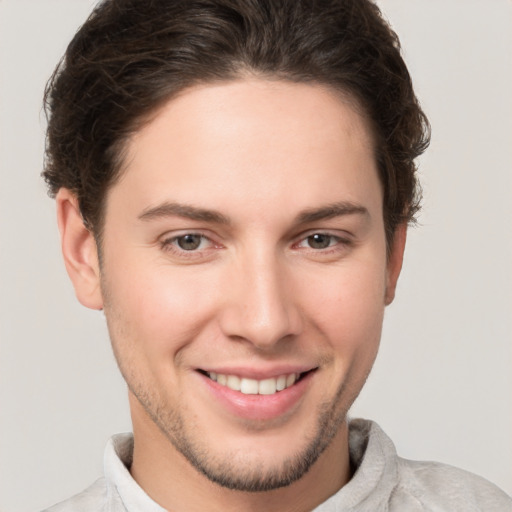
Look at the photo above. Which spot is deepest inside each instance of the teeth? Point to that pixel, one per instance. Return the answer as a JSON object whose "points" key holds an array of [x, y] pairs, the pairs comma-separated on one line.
{"points": [[267, 387], [255, 387], [249, 386], [290, 380], [234, 382], [281, 383]]}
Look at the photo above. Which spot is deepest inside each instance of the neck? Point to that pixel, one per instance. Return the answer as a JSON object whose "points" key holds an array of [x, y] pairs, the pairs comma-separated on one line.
{"points": [[172, 482]]}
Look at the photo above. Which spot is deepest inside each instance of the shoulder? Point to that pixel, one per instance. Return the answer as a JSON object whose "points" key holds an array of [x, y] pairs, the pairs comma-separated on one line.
{"points": [[385, 481], [92, 498], [436, 486]]}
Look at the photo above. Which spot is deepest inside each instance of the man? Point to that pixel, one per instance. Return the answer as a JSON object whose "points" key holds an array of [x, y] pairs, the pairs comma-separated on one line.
{"points": [[234, 182]]}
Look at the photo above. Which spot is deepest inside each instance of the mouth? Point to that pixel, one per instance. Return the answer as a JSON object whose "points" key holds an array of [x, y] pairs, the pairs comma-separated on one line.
{"points": [[247, 386], [258, 395]]}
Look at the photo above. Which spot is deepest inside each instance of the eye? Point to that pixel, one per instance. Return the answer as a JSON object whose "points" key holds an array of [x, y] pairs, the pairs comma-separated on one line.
{"points": [[188, 242], [319, 241]]}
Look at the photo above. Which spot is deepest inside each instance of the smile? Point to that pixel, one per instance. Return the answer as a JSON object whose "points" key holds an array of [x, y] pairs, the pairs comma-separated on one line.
{"points": [[258, 394], [253, 386]]}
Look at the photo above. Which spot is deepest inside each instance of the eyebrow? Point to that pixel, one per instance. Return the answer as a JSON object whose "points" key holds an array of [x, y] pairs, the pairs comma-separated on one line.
{"points": [[331, 211], [169, 209]]}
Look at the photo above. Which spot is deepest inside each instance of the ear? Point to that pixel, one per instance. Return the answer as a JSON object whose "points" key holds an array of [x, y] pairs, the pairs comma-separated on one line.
{"points": [[395, 259], [79, 251]]}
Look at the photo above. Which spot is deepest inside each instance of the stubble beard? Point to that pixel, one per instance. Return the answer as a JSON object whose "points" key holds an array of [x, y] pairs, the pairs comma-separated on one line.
{"points": [[235, 474]]}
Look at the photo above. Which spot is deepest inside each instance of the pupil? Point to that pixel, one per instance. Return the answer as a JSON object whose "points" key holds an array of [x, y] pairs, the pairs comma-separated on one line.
{"points": [[189, 242], [319, 241]]}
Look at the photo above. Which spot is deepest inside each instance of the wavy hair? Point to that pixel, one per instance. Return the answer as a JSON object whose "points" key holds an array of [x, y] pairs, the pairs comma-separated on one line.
{"points": [[132, 56]]}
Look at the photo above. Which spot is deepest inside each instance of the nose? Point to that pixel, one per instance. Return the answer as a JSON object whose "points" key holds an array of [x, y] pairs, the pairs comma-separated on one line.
{"points": [[259, 303]]}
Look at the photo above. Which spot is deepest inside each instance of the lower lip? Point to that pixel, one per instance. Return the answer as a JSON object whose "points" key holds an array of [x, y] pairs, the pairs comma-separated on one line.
{"points": [[258, 407]]}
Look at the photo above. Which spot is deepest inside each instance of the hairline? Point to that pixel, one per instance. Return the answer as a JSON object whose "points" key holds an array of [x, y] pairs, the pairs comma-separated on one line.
{"points": [[120, 148]]}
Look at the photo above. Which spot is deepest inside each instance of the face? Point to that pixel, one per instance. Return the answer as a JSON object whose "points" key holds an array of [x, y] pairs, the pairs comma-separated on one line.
{"points": [[244, 275]]}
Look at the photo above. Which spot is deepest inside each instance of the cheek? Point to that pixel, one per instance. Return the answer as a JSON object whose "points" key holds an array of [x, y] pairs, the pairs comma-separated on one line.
{"points": [[153, 307], [349, 306]]}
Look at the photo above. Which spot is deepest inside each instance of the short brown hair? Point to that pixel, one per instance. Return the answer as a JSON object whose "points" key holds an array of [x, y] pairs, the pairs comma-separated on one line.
{"points": [[131, 56]]}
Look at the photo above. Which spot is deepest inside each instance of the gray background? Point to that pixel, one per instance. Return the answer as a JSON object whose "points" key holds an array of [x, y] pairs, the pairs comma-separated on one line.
{"points": [[442, 385]]}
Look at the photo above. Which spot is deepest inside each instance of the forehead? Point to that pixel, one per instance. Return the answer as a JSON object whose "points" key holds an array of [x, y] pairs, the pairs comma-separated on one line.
{"points": [[222, 144]]}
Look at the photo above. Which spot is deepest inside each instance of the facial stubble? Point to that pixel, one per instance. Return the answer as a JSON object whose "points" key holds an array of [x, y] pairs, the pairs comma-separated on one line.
{"points": [[248, 477], [245, 476], [239, 472]]}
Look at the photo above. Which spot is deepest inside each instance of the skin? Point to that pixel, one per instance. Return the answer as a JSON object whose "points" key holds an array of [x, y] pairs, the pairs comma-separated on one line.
{"points": [[267, 161]]}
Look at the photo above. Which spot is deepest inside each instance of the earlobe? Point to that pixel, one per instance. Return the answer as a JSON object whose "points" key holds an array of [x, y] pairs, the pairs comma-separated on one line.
{"points": [[79, 251], [394, 265]]}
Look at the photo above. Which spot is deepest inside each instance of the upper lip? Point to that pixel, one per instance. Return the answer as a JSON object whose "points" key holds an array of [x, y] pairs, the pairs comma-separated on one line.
{"points": [[258, 373]]}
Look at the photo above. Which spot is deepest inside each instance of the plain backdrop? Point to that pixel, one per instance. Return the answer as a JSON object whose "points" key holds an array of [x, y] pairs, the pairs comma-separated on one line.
{"points": [[442, 384]]}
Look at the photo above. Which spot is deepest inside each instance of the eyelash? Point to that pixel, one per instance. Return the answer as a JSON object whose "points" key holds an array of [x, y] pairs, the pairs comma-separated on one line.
{"points": [[170, 245], [337, 244], [334, 243]]}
